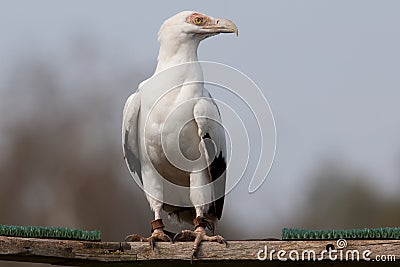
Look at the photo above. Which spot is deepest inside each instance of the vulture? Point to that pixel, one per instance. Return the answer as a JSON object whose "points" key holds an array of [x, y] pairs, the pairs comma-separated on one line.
{"points": [[172, 135]]}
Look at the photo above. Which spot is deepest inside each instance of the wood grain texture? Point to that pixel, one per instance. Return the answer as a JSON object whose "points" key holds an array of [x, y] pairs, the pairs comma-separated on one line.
{"points": [[239, 253]]}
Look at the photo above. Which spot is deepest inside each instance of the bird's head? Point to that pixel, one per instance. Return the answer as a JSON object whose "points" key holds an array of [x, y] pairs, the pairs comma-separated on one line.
{"points": [[194, 25]]}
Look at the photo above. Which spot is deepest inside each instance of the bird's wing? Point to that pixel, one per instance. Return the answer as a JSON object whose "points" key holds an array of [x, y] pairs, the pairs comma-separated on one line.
{"points": [[130, 130], [212, 133]]}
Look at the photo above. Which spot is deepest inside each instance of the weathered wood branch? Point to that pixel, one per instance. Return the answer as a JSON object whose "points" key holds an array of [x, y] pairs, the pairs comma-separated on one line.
{"points": [[85, 253]]}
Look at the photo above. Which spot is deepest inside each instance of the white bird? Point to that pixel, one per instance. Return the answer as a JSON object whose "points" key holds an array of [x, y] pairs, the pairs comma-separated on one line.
{"points": [[172, 135]]}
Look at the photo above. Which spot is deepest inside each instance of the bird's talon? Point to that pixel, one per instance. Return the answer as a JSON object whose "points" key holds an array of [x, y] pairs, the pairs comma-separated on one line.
{"points": [[194, 255], [156, 236], [175, 237], [169, 239], [133, 238], [185, 235], [128, 238], [152, 244]]}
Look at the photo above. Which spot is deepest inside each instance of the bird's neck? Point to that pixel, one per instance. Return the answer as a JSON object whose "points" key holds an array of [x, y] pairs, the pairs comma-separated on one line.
{"points": [[174, 52]]}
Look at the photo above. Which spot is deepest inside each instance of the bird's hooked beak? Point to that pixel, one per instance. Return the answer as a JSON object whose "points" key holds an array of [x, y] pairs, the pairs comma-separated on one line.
{"points": [[222, 26]]}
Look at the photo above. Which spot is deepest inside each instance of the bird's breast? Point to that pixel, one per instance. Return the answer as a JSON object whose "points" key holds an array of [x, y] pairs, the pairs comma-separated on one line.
{"points": [[170, 131], [165, 145]]}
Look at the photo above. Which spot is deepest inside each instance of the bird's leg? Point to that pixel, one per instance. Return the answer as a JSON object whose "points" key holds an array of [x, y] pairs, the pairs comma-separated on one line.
{"points": [[199, 233], [200, 225], [157, 232]]}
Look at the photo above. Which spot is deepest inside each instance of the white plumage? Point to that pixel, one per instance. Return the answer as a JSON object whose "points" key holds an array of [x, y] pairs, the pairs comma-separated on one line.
{"points": [[172, 134]]}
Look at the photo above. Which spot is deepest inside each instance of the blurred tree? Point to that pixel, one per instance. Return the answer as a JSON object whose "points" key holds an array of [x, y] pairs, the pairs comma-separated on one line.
{"points": [[340, 198], [62, 162]]}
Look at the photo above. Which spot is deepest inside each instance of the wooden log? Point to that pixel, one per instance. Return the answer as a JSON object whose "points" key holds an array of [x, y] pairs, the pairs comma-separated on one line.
{"points": [[239, 253]]}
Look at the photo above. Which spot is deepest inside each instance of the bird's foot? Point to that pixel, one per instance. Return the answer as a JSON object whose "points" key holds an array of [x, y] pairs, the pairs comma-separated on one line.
{"points": [[157, 235], [198, 235]]}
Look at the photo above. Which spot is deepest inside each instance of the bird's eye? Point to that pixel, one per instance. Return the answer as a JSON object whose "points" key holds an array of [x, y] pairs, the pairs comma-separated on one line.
{"points": [[198, 20]]}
